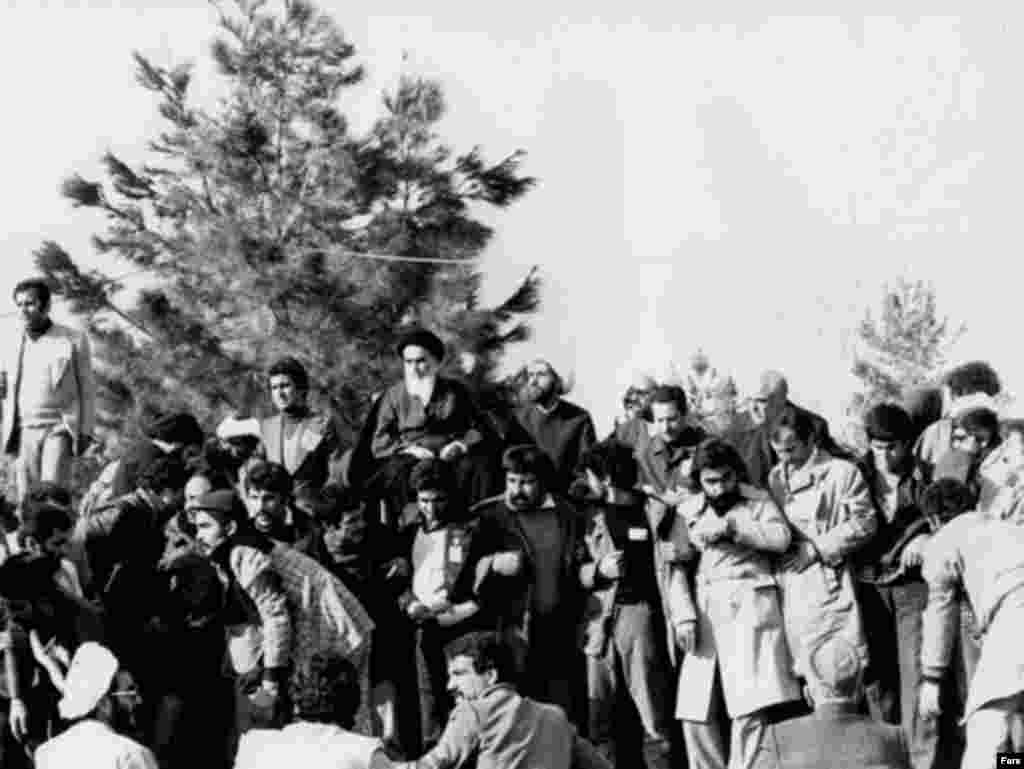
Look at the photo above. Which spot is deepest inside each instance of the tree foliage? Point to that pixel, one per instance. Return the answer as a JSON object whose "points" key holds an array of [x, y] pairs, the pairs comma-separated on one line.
{"points": [[262, 223], [904, 346]]}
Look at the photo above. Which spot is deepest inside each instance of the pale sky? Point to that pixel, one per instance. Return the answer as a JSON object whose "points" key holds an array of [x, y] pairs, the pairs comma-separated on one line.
{"points": [[745, 183]]}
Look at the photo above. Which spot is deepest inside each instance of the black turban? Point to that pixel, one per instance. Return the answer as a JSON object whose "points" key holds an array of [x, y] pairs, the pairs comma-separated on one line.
{"points": [[420, 337], [179, 428]]}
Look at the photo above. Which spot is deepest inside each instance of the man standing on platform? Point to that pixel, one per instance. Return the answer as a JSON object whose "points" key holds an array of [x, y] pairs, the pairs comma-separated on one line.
{"points": [[48, 392]]}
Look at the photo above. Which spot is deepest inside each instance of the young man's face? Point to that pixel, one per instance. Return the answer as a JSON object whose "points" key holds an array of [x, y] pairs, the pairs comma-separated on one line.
{"points": [[283, 392], [432, 504], [266, 508], [975, 443], [197, 486], [792, 452], [668, 420], [464, 683], [347, 533], [58, 544], [889, 455], [210, 532], [31, 309], [718, 482], [522, 491]]}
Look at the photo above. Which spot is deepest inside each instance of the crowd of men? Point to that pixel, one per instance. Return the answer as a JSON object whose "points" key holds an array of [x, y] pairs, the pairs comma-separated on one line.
{"points": [[497, 587]]}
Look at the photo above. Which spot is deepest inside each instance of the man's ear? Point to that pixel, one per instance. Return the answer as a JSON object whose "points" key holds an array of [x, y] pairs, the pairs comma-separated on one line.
{"points": [[491, 676], [231, 528], [31, 544]]}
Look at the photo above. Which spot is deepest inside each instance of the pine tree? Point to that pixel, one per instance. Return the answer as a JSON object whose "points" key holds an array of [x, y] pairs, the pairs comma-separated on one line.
{"points": [[903, 348], [268, 227]]}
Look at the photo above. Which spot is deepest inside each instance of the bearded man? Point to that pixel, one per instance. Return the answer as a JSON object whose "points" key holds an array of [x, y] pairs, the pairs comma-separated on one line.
{"points": [[425, 416], [562, 430]]}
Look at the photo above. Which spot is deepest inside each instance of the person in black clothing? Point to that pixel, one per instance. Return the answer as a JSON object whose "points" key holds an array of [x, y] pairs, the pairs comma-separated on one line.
{"points": [[627, 659], [366, 555], [892, 593]]}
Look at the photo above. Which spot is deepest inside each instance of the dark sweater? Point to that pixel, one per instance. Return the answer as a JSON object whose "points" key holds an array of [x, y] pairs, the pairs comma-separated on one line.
{"points": [[564, 434]]}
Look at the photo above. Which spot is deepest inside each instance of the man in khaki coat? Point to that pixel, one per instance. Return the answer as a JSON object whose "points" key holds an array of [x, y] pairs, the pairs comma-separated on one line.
{"points": [[47, 390], [741, 662]]}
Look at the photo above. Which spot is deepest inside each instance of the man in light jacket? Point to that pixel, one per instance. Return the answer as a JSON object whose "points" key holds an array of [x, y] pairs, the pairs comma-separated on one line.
{"points": [[48, 392]]}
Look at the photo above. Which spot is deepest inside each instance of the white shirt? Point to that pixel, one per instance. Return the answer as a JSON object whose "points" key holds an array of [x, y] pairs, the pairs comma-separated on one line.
{"points": [[307, 745], [428, 558], [91, 744]]}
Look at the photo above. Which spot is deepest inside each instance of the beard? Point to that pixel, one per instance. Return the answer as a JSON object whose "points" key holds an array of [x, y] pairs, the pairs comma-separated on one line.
{"points": [[421, 387], [539, 394], [723, 503]]}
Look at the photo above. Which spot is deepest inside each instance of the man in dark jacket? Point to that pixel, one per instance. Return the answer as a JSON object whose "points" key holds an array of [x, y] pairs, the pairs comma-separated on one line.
{"points": [[528, 579], [164, 434], [753, 441], [561, 429], [837, 735]]}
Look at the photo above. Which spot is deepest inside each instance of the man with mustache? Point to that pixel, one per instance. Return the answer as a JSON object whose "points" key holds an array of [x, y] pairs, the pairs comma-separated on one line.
{"points": [[268, 497], [426, 415], [563, 430], [529, 580]]}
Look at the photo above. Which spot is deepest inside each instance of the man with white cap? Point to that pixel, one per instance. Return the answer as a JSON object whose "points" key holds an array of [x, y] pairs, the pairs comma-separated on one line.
{"points": [[97, 697], [635, 429], [562, 430]]}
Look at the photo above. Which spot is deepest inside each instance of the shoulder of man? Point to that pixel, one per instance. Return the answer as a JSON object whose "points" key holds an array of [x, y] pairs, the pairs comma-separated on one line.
{"points": [[488, 507]]}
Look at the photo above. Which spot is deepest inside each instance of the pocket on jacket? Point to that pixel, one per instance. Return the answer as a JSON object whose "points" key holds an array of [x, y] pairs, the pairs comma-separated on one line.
{"points": [[762, 608]]}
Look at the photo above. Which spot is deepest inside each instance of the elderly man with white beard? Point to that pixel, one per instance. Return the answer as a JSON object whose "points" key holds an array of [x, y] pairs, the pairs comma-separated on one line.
{"points": [[426, 415]]}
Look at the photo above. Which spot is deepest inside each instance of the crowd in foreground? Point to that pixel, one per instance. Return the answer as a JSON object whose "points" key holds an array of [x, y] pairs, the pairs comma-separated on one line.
{"points": [[496, 587]]}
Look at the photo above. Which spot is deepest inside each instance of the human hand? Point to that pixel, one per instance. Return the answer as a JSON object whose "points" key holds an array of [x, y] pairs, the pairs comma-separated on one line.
{"points": [[710, 529], [508, 563], [676, 496], [452, 451], [928, 705], [913, 553], [686, 636], [18, 719], [419, 452], [417, 611], [801, 556], [611, 566]]}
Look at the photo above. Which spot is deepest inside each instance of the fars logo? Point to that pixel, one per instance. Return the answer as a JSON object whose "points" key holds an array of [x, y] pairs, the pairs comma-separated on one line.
{"points": [[1009, 759]]}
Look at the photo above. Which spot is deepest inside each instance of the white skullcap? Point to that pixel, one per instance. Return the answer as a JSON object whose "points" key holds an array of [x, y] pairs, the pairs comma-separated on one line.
{"points": [[238, 428], [92, 671]]}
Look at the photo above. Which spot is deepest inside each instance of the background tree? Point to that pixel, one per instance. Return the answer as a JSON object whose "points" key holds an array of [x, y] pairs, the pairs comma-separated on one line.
{"points": [[269, 227], [903, 347]]}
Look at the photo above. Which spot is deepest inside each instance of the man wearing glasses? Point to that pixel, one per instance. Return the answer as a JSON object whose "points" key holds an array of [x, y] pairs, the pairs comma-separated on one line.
{"points": [[100, 699]]}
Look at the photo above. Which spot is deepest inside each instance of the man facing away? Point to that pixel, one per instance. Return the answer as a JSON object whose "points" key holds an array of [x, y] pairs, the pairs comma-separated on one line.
{"points": [[494, 727], [97, 698], [837, 734], [48, 392]]}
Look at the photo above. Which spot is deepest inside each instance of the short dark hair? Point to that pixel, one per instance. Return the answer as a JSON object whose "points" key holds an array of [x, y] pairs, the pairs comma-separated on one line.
{"points": [[327, 690], [974, 377], [797, 420], [528, 460], [269, 476], [290, 367], [979, 420], [670, 394], [36, 285], [716, 454], [166, 472], [614, 460], [487, 650], [888, 422], [432, 475], [41, 519], [947, 498]]}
